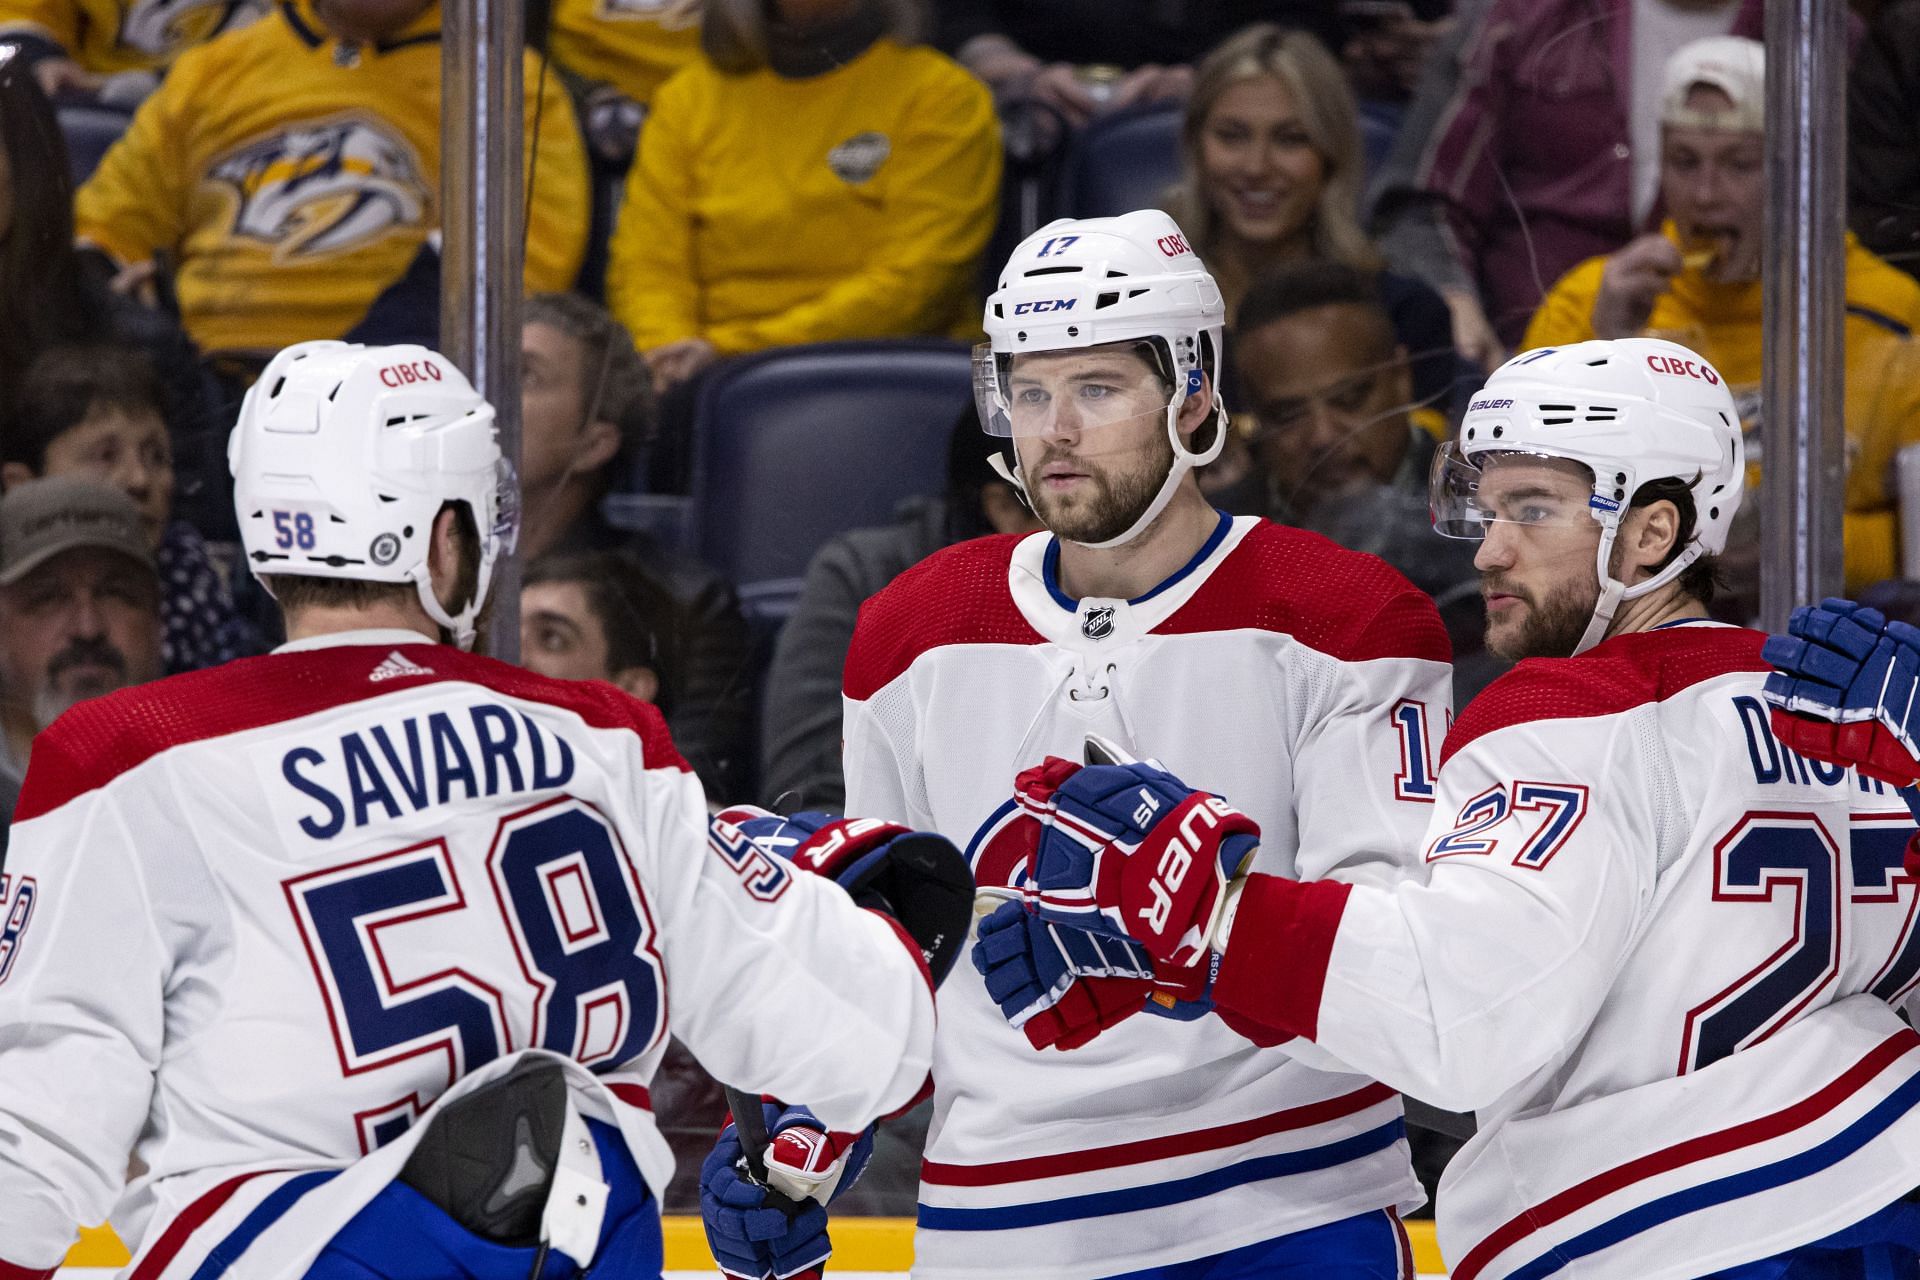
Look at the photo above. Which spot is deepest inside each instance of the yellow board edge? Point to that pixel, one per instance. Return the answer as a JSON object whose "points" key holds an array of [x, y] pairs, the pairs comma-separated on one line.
{"points": [[859, 1244]]}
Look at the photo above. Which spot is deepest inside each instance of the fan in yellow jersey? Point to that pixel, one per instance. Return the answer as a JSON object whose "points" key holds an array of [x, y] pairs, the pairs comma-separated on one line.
{"points": [[1697, 282], [632, 45], [291, 171], [811, 179], [76, 44]]}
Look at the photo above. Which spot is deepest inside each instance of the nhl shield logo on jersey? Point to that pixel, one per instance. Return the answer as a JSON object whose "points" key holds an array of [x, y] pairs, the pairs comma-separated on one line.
{"points": [[858, 158], [324, 188], [1097, 622], [161, 27]]}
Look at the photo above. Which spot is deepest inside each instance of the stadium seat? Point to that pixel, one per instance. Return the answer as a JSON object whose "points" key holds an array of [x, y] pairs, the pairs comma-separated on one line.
{"points": [[89, 130], [1122, 162], [795, 445]]}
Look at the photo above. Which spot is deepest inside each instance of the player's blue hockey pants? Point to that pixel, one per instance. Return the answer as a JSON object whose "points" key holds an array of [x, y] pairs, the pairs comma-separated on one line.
{"points": [[1884, 1247], [401, 1235], [1369, 1246]]}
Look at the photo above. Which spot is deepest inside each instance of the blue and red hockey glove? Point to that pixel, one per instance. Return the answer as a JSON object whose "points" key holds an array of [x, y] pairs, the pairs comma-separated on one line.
{"points": [[1844, 691], [756, 1235], [917, 878], [1131, 851], [1059, 985]]}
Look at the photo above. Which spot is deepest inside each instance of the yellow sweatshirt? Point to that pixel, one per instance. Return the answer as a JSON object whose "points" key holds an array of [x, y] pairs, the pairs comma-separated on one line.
{"points": [[633, 45], [1723, 323], [763, 212], [289, 190], [125, 35]]}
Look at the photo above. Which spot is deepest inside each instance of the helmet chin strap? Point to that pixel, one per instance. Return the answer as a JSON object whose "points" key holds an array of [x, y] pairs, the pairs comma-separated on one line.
{"points": [[1184, 460], [459, 625], [1614, 593]]}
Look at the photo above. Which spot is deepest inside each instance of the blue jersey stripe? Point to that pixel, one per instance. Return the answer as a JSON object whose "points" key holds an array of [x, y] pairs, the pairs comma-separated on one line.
{"points": [[1050, 566], [1160, 1195], [1732, 1187], [264, 1215]]}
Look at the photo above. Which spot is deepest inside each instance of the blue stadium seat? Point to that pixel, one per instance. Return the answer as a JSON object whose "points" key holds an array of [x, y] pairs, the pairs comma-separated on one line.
{"points": [[795, 445], [1122, 162], [89, 130]]}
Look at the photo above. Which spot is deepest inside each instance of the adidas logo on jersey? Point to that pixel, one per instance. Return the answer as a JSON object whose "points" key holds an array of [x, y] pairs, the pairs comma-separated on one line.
{"points": [[397, 665]]}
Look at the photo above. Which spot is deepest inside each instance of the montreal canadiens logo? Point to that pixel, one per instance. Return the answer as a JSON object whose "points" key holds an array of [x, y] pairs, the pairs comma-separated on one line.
{"points": [[385, 549], [1097, 622], [324, 188]]}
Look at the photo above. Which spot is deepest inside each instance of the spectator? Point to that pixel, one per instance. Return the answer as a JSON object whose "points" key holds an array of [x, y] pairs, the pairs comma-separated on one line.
{"points": [[1330, 387], [79, 609], [813, 178], [1883, 137], [620, 52], [598, 615], [291, 172], [1697, 282], [1273, 174], [1083, 57], [584, 406], [48, 298], [114, 48], [94, 413], [1532, 147], [800, 731]]}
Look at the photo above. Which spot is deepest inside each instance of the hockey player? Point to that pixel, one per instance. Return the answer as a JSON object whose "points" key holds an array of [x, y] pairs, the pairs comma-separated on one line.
{"points": [[364, 952], [1305, 676], [1656, 951]]}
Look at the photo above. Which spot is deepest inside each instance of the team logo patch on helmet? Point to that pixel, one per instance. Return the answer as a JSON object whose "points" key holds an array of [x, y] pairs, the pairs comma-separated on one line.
{"points": [[1097, 622], [324, 188], [385, 549], [858, 158]]}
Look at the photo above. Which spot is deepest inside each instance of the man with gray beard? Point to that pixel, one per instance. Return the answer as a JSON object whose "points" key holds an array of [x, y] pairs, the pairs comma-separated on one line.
{"points": [[79, 610]]}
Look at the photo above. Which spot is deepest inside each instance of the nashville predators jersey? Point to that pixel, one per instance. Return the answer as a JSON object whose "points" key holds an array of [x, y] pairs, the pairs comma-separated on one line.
{"points": [[290, 178], [124, 35]]}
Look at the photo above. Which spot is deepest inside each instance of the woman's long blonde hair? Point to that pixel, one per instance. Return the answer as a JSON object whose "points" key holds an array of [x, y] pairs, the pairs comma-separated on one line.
{"points": [[1327, 110], [733, 33]]}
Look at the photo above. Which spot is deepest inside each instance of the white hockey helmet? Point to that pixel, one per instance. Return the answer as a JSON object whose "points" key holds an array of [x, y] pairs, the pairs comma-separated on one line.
{"points": [[343, 456], [1092, 281], [1630, 410]]}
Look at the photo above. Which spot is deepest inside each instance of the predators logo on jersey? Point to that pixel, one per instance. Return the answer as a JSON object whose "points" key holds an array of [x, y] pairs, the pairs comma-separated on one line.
{"points": [[324, 188], [159, 28]]}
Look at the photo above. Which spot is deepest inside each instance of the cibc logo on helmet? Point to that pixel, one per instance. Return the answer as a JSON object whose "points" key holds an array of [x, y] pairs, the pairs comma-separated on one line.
{"points": [[410, 372], [1675, 367]]}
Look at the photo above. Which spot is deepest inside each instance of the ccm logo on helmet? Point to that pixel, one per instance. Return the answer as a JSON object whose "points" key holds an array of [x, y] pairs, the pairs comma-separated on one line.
{"points": [[400, 375], [1683, 368], [1173, 246], [1045, 304]]}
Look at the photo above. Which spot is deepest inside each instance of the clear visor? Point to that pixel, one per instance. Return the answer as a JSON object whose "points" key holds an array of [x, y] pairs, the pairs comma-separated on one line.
{"points": [[1066, 392], [506, 507], [1466, 497]]}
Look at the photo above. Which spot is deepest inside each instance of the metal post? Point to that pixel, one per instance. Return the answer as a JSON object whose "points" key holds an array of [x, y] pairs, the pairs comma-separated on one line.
{"points": [[481, 215], [1803, 425]]}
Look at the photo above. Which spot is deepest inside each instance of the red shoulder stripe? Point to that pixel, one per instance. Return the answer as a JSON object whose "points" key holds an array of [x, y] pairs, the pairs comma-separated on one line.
{"points": [[101, 739], [957, 595], [1611, 679], [1345, 604]]}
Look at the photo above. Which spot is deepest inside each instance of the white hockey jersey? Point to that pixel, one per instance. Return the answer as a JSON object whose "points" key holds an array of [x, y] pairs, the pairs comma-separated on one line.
{"points": [[1659, 952], [1296, 679], [258, 919]]}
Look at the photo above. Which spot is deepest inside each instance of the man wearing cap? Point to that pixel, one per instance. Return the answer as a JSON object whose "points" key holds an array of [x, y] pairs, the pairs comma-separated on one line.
{"points": [[1696, 281], [79, 609]]}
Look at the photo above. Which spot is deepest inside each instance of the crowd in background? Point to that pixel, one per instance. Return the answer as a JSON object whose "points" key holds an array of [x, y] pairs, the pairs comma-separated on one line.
{"points": [[1393, 194]]}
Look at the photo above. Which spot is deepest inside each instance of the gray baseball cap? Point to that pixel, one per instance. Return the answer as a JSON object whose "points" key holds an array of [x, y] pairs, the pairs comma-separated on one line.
{"points": [[43, 518]]}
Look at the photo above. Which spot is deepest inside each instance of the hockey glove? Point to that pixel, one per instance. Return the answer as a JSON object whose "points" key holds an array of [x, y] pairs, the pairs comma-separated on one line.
{"points": [[755, 1235], [1843, 689], [1132, 851], [1059, 985], [915, 877]]}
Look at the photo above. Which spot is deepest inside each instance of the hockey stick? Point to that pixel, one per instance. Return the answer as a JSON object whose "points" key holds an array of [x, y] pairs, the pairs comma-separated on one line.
{"points": [[750, 1124]]}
